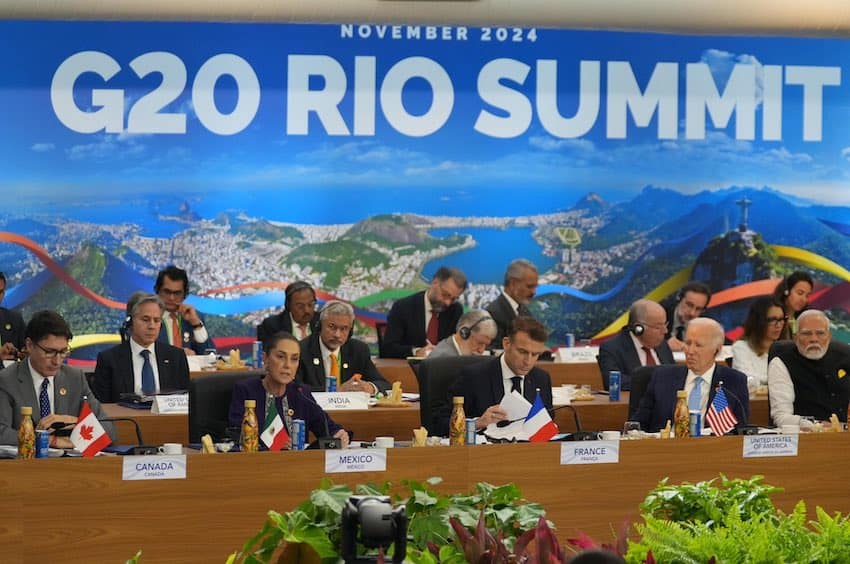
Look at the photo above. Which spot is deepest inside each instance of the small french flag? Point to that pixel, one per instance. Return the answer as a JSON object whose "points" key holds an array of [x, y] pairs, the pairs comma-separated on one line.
{"points": [[538, 425]]}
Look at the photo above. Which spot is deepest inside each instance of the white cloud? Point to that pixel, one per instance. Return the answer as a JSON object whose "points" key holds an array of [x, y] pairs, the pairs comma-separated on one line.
{"points": [[107, 147], [721, 64], [43, 147], [548, 143]]}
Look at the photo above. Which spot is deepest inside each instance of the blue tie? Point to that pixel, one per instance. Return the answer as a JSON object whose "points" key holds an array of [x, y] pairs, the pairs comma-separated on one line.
{"points": [[148, 385], [44, 399], [695, 399]]}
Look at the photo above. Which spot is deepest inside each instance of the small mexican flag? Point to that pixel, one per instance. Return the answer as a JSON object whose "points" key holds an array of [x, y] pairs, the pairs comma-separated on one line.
{"points": [[274, 434]]}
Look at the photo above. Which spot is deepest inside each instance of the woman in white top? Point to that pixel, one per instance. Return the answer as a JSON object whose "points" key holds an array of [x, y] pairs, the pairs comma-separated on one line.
{"points": [[765, 323]]}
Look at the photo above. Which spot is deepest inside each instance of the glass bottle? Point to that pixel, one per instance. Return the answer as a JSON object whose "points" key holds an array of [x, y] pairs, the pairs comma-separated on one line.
{"points": [[249, 438], [26, 434], [457, 422], [681, 416]]}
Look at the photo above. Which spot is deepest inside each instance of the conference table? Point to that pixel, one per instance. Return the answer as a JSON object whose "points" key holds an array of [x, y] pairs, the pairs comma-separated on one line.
{"points": [[596, 415], [80, 510]]}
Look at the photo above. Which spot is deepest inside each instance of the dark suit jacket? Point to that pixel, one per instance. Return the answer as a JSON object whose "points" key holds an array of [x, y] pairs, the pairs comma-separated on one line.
{"points": [[16, 390], [618, 353], [113, 373], [12, 327], [355, 359], [659, 401], [282, 322], [406, 325], [482, 386], [296, 396], [188, 337], [503, 314]]}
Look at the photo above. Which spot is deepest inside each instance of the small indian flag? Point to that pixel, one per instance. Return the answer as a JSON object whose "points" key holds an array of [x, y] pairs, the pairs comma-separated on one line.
{"points": [[274, 434]]}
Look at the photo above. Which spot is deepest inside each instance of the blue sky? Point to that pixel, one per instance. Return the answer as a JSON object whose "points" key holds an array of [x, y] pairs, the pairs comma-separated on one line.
{"points": [[39, 156]]}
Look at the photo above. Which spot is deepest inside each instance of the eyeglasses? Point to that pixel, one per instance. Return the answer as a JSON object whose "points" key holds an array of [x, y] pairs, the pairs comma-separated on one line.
{"points": [[807, 334], [776, 320], [53, 353]]}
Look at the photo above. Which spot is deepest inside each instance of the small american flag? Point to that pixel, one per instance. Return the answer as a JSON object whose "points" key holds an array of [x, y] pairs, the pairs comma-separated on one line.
{"points": [[720, 415]]}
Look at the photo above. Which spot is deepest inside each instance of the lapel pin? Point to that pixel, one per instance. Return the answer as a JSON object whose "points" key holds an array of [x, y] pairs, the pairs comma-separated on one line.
{"points": [[8, 327], [166, 361], [63, 392], [290, 412], [186, 337], [316, 362], [345, 365]]}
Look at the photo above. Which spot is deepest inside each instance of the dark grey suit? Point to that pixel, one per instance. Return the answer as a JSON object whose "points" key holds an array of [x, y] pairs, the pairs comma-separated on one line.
{"points": [[619, 353], [17, 390], [113, 374], [503, 314], [355, 359]]}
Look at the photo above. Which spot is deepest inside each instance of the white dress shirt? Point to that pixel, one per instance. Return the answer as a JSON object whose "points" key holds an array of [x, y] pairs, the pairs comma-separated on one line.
{"points": [[642, 353], [138, 361], [36, 382], [754, 365], [780, 389]]}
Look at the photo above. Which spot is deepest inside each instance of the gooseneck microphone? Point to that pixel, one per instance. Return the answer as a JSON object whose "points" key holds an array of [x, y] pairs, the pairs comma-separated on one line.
{"points": [[327, 442], [140, 448], [506, 422]]}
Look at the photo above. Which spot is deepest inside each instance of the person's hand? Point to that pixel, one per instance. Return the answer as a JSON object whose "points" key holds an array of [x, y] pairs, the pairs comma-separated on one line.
{"points": [[357, 385], [9, 351], [342, 435], [494, 414], [60, 442], [188, 351], [189, 313], [46, 422], [675, 344], [423, 351]]}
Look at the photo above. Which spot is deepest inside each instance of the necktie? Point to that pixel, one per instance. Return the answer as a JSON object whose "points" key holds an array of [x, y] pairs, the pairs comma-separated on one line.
{"points": [[148, 385], [516, 384], [434, 328], [695, 399], [334, 373], [176, 337], [650, 360], [44, 399]]}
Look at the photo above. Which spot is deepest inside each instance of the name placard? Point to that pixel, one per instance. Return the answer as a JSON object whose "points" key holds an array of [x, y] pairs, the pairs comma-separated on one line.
{"points": [[174, 403], [590, 452], [342, 400], [758, 446], [356, 460], [168, 467], [577, 355]]}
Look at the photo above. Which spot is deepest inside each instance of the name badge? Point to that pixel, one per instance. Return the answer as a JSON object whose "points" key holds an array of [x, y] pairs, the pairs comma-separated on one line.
{"points": [[174, 403], [590, 452], [365, 460], [158, 467], [331, 401], [758, 446], [578, 355]]}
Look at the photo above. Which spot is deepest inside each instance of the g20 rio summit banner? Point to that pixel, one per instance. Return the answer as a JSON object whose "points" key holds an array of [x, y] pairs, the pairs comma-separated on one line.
{"points": [[362, 157]]}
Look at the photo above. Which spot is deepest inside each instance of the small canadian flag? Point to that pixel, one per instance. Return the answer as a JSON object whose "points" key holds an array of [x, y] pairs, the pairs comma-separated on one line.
{"points": [[88, 435]]}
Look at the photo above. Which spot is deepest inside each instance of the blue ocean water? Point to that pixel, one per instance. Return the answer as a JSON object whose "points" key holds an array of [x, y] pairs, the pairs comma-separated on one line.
{"points": [[486, 262]]}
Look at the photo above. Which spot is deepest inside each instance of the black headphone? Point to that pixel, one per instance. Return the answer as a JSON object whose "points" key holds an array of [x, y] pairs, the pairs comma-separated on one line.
{"points": [[637, 329], [466, 332], [295, 287]]}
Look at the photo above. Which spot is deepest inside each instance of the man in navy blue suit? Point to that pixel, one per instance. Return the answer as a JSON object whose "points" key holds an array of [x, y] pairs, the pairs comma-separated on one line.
{"points": [[181, 325], [700, 378], [484, 384]]}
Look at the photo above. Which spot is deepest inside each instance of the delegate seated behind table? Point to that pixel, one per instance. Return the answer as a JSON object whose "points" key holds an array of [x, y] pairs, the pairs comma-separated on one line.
{"points": [[699, 378], [281, 353], [54, 390], [763, 326], [810, 376]]}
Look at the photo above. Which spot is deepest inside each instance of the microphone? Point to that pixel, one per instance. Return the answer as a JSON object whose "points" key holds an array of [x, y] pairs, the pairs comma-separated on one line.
{"points": [[742, 428], [506, 422], [327, 442], [140, 448]]}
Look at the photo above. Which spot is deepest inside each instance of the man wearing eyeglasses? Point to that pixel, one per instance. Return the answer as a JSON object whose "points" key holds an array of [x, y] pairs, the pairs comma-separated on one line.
{"points": [[640, 343], [331, 353], [53, 390], [415, 324], [181, 325], [809, 378], [142, 365], [691, 301]]}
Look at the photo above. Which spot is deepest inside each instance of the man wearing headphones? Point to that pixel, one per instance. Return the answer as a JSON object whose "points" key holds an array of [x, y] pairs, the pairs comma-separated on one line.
{"points": [[182, 327], [640, 343], [691, 301], [475, 330], [299, 316]]}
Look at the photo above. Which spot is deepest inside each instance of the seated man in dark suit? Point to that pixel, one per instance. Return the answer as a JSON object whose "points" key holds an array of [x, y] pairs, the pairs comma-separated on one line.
{"points": [[11, 329], [700, 378], [181, 325], [484, 384], [417, 323], [141, 365], [520, 287], [330, 353], [299, 316], [54, 390], [691, 301], [809, 376], [640, 343]]}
